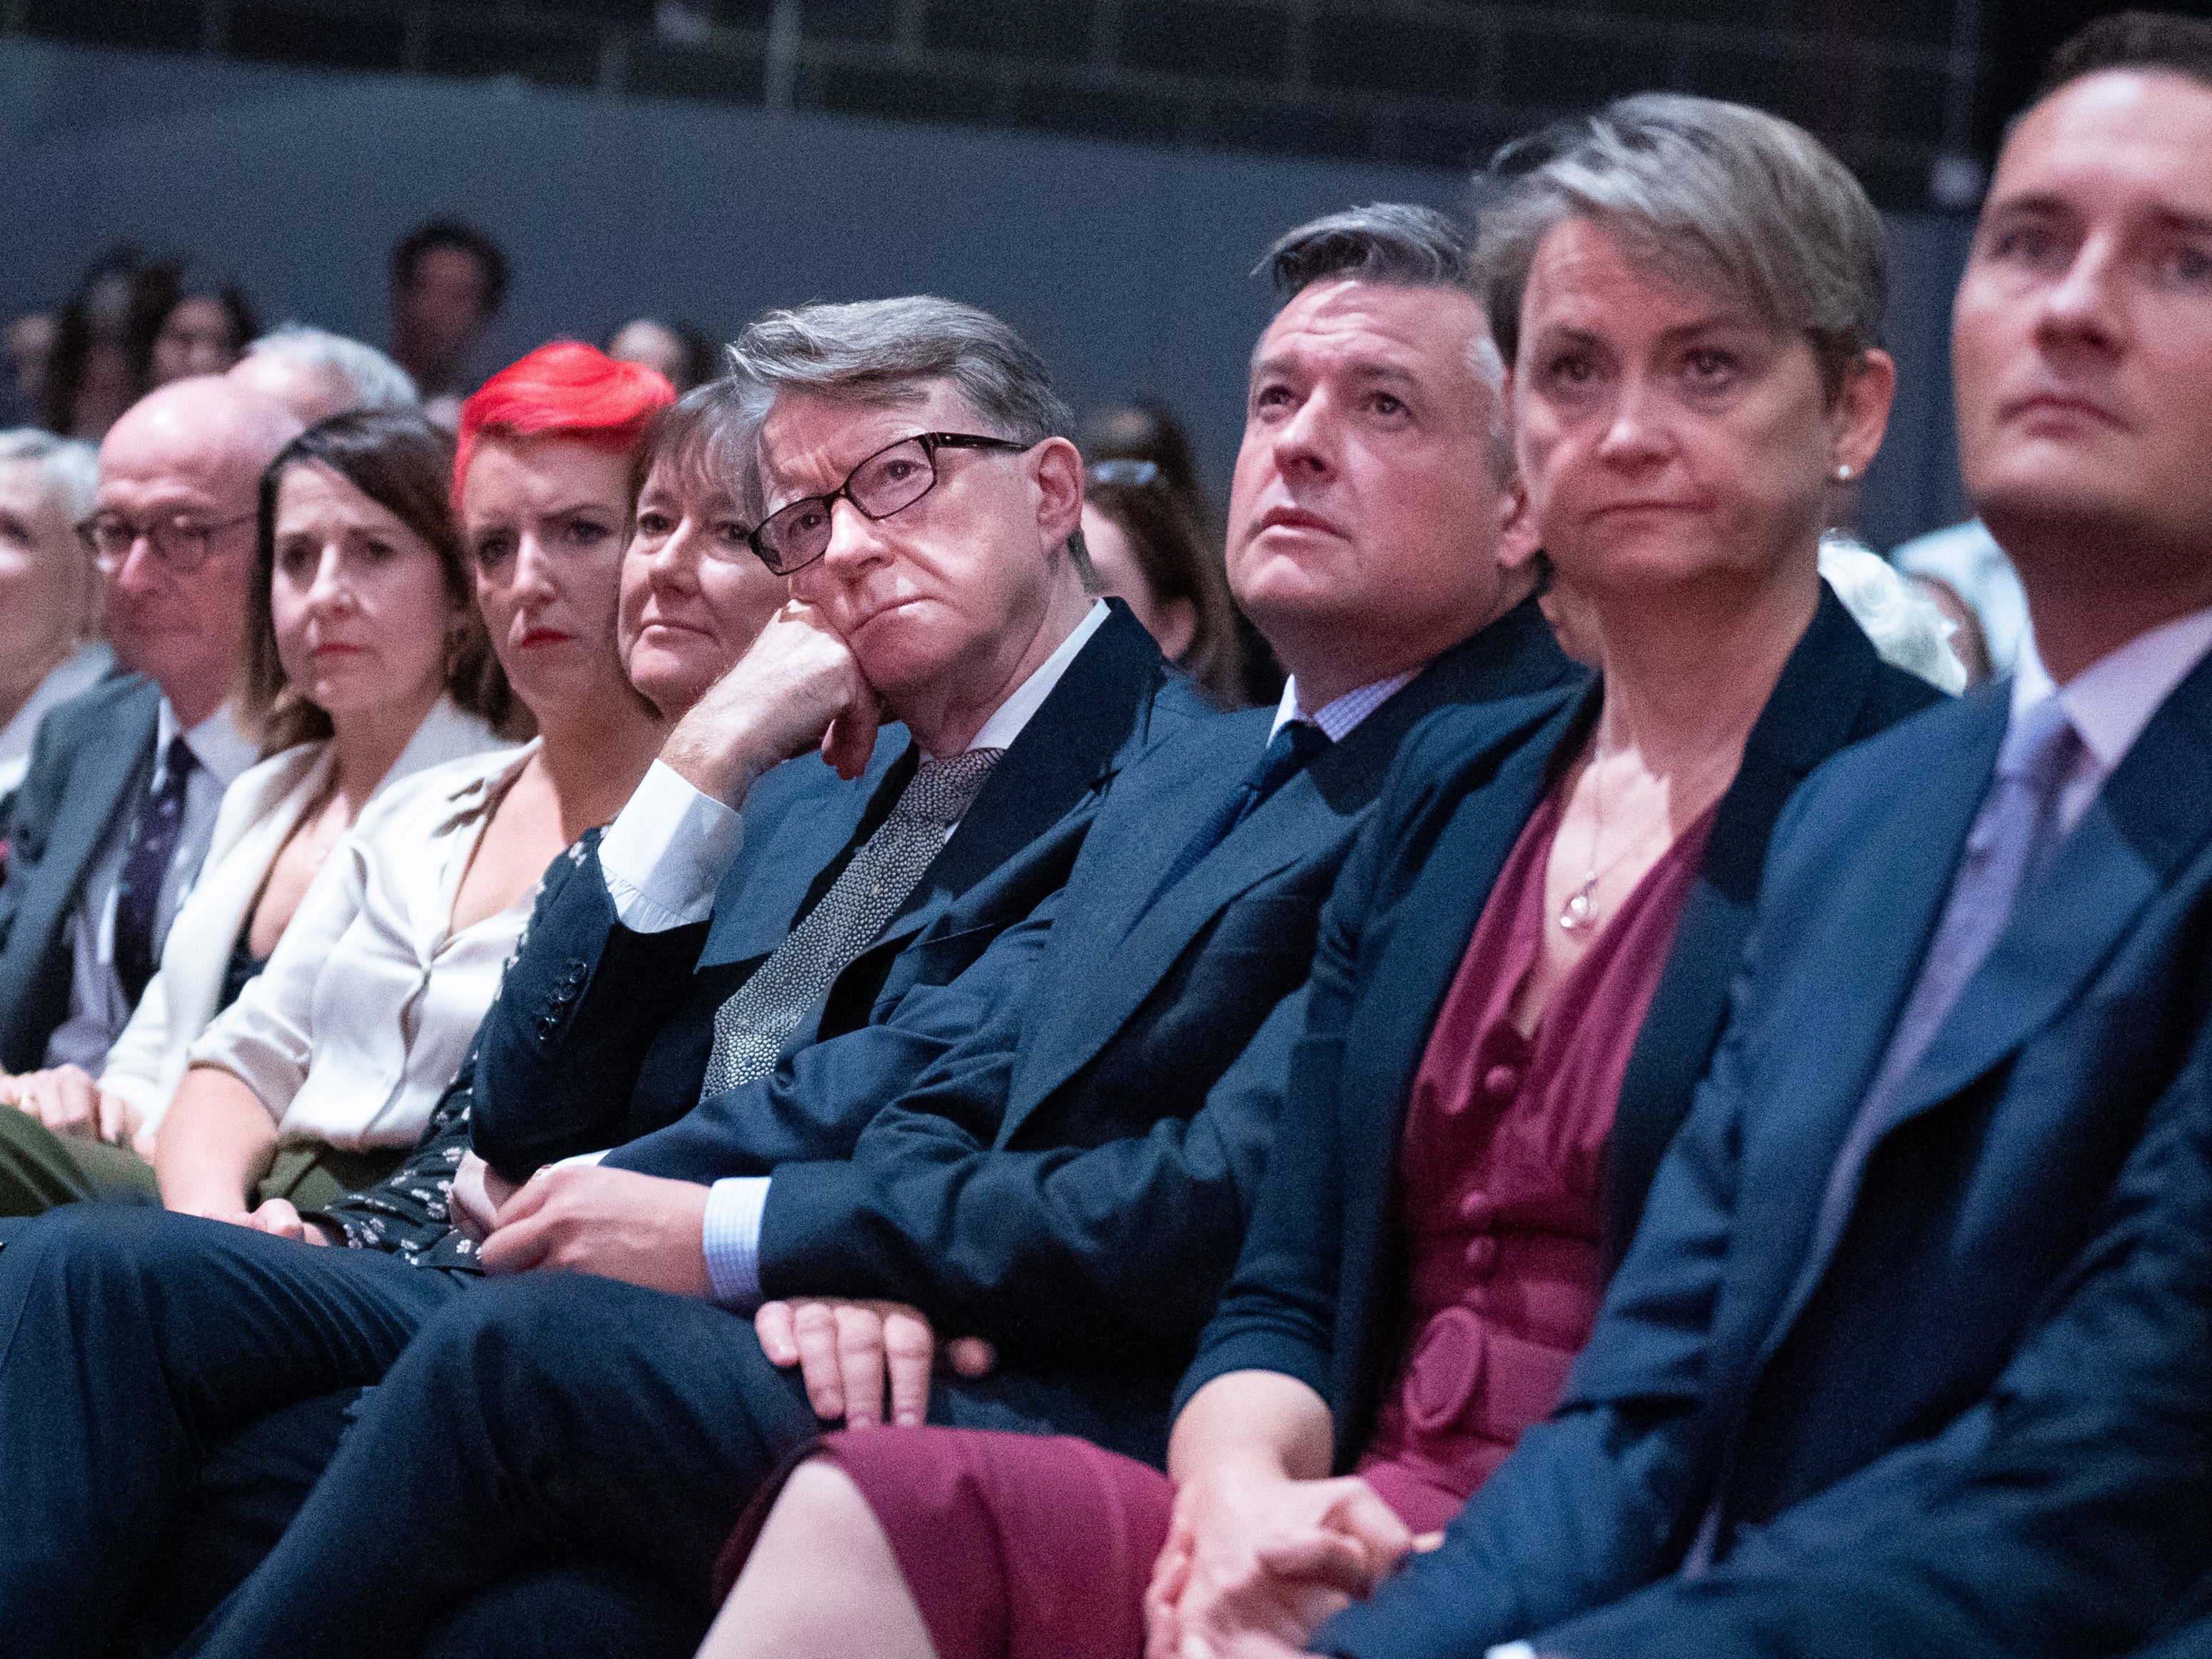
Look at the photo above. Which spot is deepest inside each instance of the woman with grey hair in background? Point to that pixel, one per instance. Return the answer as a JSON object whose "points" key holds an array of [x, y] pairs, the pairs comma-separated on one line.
{"points": [[1499, 1043], [49, 592]]}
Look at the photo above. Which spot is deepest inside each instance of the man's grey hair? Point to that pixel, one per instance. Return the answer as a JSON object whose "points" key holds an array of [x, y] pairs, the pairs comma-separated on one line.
{"points": [[69, 471], [1724, 199], [886, 353], [1405, 245], [377, 381]]}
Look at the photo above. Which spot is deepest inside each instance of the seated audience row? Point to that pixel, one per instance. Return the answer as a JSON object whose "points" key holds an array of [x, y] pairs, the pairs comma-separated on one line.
{"points": [[1613, 1117]]}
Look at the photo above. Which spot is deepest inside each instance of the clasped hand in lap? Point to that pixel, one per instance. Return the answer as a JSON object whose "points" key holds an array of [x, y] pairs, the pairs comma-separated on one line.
{"points": [[1255, 1564]]}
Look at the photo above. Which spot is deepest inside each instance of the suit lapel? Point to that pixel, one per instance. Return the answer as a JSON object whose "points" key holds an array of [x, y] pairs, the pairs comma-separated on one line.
{"points": [[1424, 935], [1071, 747], [1868, 965], [2144, 825], [1514, 656], [1088, 1009], [2147, 821], [100, 788], [1811, 714], [790, 861]]}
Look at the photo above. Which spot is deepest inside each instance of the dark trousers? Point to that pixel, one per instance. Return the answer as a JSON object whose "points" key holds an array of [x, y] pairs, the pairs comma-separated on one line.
{"points": [[542, 1440], [136, 1347]]}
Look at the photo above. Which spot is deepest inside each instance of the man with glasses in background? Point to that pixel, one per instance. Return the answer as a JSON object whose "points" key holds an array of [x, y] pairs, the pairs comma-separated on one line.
{"points": [[115, 813]]}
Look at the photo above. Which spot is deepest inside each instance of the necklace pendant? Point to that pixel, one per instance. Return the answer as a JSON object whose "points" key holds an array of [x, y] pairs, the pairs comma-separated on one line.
{"points": [[1581, 909]]}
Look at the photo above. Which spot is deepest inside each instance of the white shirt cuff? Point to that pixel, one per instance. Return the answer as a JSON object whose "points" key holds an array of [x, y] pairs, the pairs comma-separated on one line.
{"points": [[1510, 1650], [734, 1206], [667, 851]]}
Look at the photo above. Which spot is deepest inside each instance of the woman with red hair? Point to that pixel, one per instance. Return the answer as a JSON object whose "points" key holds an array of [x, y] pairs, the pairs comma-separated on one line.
{"points": [[324, 1072]]}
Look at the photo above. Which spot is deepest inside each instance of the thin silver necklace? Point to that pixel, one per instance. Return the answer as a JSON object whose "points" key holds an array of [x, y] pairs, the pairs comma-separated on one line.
{"points": [[1579, 913]]}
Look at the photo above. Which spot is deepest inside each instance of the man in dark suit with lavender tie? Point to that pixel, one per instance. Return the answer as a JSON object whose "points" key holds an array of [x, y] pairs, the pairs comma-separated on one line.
{"points": [[1909, 1353]]}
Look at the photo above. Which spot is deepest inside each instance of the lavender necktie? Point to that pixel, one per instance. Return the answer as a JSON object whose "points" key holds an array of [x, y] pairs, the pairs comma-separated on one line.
{"points": [[156, 830], [2012, 835]]}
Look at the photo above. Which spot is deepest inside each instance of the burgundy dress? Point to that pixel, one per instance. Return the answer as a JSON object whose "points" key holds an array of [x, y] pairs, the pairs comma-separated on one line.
{"points": [[1019, 1545]]}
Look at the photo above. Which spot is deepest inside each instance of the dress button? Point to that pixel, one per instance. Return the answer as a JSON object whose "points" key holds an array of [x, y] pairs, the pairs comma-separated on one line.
{"points": [[1481, 1256], [1500, 1081], [1477, 1209]]}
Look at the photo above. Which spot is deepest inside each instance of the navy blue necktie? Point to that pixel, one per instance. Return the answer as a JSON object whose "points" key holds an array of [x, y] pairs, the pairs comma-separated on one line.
{"points": [[1297, 744], [154, 834]]}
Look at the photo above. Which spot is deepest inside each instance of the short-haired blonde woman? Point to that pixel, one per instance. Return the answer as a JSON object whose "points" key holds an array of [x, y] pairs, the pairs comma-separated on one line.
{"points": [[1521, 974]]}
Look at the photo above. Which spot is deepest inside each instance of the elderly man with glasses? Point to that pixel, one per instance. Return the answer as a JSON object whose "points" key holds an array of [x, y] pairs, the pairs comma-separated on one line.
{"points": [[118, 803]]}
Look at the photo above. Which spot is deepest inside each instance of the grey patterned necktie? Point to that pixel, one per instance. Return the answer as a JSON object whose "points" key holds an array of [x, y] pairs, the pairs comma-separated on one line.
{"points": [[750, 1027]]}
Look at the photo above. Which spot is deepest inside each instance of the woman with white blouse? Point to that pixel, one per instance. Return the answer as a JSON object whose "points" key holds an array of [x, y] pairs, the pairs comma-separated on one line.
{"points": [[369, 659], [325, 1070]]}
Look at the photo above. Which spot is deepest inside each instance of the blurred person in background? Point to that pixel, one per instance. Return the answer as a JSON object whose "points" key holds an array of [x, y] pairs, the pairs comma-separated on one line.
{"points": [[316, 374], [30, 346], [368, 662], [49, 590], [115, 812], [203, 330], [1967, 573], [1907, 626], [103, 340], [681, 354], [1149, 551], [1146, 431], [449, 282]]}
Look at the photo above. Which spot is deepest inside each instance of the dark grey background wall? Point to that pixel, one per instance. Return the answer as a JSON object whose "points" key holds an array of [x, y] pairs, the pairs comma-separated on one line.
{"points": [[1124, 263]]}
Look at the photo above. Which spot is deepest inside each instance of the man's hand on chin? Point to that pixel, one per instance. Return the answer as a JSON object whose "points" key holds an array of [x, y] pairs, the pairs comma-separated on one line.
{"points": [[798, 687], [617, 1224]]}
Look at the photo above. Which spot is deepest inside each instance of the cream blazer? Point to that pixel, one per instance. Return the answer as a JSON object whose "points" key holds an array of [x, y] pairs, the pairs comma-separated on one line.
{"points": [[366, 1009], [259, 814]]}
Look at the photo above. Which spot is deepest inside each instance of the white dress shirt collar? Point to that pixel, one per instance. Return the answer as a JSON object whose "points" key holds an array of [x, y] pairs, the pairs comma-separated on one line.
{"points": [[216, 743], [1338, 717], [2111, 702], [1007, 720]]}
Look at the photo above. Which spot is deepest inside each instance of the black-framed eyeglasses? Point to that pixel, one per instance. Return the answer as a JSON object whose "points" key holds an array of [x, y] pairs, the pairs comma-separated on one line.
{"points": [[889, 480], [182, 544]]}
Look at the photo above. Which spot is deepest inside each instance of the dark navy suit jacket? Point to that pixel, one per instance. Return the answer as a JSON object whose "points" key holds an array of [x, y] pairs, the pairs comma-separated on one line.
{"points": [[1319, 1294], [1866, 1435], [88, 754], [1072, 1180], [600, 1034]]}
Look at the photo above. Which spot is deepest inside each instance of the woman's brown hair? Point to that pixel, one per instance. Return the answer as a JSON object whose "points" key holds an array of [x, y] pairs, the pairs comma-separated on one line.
{"points": [[1172, 550], [404, 464]]}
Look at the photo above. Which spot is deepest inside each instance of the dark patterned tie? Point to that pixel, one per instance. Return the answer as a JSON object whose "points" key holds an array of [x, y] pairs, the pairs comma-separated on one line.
{"points": [[1289, 750], [154, 833], [750, 1027]]}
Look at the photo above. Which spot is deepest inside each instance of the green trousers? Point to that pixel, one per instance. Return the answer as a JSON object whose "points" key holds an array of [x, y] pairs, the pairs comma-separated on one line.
{"points": [[39, 1169]]}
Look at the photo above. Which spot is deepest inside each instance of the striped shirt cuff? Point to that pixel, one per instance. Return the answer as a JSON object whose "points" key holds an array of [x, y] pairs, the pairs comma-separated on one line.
{"points": [[734, 1207]]}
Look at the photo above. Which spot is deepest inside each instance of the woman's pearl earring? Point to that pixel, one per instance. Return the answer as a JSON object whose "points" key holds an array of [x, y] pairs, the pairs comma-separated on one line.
{"points": [[1843, 472]]}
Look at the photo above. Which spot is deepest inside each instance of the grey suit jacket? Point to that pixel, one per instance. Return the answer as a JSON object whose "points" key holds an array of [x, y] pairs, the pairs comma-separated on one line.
{"points": [[91, 755]]}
